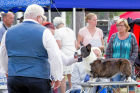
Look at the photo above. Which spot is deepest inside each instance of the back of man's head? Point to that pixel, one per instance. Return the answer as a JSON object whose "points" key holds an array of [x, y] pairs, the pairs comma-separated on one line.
{"points": [[33, 11]]}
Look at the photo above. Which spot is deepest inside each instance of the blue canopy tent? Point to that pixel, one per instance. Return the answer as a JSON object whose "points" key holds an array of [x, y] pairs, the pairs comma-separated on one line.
{"points": [[97, 4], [16, 5]]}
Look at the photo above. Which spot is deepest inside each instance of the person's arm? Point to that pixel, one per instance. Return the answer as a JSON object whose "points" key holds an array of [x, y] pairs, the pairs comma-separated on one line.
{"points": [[102, 40], [134, 48], [52, 48], [75, 43], [1, 33], [3, 55], [59, 43], [58, 38], [79, 39], [109, 51], [75, 76], [67, 60], [102, 47]]}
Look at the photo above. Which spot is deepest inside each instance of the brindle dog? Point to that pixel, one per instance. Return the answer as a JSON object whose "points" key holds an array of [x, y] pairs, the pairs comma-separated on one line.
{"points": [[106, 68]]}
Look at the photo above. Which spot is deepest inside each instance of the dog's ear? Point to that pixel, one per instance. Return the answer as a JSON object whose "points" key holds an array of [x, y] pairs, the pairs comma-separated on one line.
{"points": [[88, 47]]}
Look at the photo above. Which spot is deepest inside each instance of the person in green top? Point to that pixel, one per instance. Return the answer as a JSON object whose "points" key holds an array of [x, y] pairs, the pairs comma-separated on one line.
{"points": [[123, 44]]}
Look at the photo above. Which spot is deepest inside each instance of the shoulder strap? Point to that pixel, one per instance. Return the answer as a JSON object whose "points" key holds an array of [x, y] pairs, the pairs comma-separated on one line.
{"points": [[5, 27]]}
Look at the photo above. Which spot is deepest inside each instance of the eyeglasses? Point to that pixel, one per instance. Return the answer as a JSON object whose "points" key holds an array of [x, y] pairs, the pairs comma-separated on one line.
{"points": [[42, 18], [120, 25]]}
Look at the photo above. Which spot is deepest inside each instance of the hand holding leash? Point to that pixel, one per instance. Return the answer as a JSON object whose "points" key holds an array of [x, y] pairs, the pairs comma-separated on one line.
{"points": [[55, 84], [77, 57], [97, 52]]}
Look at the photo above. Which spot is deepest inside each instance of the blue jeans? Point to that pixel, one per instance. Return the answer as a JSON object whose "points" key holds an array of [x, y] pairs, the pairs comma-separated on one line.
{"points": [[119, 77], [76, 91], [104, 90], [28, 85]]}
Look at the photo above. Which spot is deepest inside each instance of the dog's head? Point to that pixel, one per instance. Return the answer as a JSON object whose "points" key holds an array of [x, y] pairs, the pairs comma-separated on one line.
{"points": [[96, 67], [84, 51]]}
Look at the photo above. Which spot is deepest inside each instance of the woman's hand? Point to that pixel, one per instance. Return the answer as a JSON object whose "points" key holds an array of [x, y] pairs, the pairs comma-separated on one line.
{"points": [[101, 48], [97, 52]]}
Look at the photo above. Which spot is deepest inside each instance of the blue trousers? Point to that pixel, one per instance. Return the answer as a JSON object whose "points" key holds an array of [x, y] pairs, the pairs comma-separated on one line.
{"points": [[76, 91], [118, 77], [28, 85]]}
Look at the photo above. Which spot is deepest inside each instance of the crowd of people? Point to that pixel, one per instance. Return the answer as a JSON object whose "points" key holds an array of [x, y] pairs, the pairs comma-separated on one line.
{"points": [[37, 55]]}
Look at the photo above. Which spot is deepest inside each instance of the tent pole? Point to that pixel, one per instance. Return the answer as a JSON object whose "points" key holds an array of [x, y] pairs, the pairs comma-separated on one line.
{"points": [[63, 15], [83, 10], [49, 14], [74, 20]]}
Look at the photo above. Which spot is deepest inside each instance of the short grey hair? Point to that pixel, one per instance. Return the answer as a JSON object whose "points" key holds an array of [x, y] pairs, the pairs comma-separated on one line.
{"points": [[57, 21], [32, 11]]}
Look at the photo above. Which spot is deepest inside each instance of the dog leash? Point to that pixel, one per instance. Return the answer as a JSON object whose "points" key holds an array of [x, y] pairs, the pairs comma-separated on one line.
{"points": [[79, 58]]}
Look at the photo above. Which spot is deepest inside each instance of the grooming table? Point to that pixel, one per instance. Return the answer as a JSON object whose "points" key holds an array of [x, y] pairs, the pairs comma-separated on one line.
{"points": [[89, 85]]}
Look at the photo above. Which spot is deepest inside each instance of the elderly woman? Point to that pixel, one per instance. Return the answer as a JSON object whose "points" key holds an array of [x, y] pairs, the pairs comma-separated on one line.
{"points": [[123, 45], [66, 40], [91, 34]]}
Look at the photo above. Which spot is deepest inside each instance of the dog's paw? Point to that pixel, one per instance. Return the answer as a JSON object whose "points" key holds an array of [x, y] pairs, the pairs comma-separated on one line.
{"points": [[130, 80], [93, 80]]}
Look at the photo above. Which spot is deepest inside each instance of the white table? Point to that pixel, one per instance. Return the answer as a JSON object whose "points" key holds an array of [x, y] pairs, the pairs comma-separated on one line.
{"points": [[104, 84]]}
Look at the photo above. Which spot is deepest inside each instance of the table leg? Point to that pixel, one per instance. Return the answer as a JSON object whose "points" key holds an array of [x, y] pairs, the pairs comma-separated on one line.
{"points": [[89, 90], [127, 89]]}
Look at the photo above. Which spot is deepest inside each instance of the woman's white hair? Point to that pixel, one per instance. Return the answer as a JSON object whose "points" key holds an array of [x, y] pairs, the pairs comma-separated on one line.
{"points": [[57, 21], [32, 11]]}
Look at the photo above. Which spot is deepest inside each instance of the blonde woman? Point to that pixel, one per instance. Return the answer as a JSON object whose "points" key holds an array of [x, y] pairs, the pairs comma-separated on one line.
{"points": [[91, 34], [123, 44]]}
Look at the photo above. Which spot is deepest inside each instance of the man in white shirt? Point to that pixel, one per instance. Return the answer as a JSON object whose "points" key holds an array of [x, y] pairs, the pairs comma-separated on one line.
{"points": [[25, 49]]}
